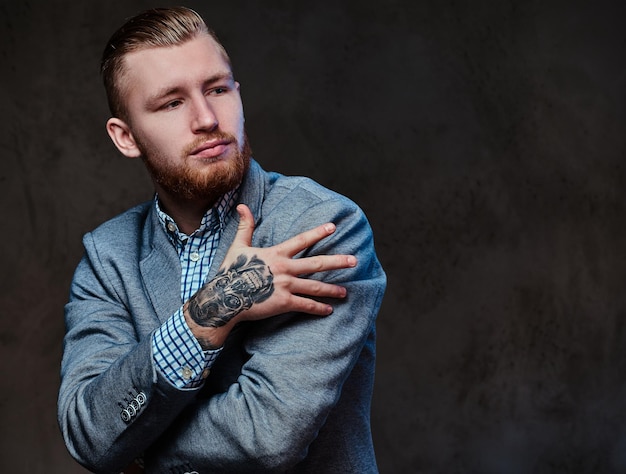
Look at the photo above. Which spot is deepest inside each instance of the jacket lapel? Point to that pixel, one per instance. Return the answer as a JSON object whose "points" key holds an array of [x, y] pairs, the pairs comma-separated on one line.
{"points": [[160, 269]]}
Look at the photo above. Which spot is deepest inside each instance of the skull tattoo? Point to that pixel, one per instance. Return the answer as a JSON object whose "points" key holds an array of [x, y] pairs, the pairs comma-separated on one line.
{"points": [[232, 291]]}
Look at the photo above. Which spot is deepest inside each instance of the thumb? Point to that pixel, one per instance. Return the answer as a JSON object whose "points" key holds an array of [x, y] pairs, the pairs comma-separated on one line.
{"points": [[245, 227]]}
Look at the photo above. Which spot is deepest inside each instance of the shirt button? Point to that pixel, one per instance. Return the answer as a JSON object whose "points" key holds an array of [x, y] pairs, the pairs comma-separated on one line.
{"points": [[187, 373], [205, 373], [194, 256], [171, 227]]}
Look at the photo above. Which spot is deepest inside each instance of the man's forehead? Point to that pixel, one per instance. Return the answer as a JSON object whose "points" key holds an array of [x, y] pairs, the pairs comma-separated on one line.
{"points": [[201, 49]]}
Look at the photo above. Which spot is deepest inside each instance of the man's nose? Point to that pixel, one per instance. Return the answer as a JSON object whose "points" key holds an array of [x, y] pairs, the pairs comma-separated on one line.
{"points": [[204, 117]]}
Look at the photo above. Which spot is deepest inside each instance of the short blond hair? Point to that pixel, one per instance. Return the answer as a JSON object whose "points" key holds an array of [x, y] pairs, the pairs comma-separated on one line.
{"points": [[154, 28]]}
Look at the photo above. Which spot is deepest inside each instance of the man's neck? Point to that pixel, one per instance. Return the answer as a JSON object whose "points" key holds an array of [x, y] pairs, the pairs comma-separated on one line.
{"points": [[187, 214]]}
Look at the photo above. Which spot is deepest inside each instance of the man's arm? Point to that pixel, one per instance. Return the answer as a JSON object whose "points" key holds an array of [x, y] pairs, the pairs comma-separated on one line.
{"points": [[103, 358], [295, 373]]}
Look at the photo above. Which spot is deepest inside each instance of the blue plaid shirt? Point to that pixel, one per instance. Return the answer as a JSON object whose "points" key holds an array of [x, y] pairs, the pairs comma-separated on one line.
{"points": [[177, 353]]}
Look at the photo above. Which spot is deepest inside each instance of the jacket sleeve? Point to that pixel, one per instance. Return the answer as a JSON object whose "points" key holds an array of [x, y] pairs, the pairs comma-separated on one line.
{"points": [[296, 366], [112, 403]]}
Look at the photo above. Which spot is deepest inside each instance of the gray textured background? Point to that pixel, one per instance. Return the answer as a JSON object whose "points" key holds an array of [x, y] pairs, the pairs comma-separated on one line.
{"points": [[485, 140]]}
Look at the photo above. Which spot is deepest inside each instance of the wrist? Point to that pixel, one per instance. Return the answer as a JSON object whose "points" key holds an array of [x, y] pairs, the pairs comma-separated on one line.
{"points": [[209, 337]]}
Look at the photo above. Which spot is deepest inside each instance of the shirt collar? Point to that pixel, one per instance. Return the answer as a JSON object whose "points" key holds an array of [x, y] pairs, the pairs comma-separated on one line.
{"points": [[213, 220]]}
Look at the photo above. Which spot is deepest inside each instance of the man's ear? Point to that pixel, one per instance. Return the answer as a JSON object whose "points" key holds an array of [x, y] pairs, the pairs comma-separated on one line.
{"points": [[238, 87], [122, 137]]}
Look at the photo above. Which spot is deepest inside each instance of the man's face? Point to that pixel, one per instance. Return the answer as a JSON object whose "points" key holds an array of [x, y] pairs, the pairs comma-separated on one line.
{"points": [[186, 118]]}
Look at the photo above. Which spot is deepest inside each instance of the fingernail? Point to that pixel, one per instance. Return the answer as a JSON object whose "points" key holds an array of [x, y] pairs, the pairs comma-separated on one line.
{"points": [[329, 227], [352, 261]]}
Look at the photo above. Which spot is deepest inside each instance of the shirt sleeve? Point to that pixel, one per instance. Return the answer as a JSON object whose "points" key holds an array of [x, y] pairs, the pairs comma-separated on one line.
{"points": [[178, 354]]}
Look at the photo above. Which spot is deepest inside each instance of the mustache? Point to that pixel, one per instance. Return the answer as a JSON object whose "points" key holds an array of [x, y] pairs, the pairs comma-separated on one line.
{"points": [[202, 139]]}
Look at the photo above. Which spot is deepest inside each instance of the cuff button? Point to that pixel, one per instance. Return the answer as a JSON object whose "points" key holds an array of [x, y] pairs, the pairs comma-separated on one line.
{"points": [[187, 373]]}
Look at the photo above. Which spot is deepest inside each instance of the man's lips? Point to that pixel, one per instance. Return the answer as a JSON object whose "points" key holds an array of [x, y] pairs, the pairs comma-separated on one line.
{"points": [[210, 149]]}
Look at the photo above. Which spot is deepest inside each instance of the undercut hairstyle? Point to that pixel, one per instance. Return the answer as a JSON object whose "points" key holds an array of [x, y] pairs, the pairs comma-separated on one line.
{"points": [[154, 28]]}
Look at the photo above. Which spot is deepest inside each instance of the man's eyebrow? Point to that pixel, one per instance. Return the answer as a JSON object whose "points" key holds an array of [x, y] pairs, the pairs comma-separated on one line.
{"points": [[173, 90], [161, 94], [221, 76]]}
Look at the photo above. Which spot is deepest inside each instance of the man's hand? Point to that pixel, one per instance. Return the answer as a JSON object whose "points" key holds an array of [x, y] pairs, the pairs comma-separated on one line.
{"points": [[258, 283]]}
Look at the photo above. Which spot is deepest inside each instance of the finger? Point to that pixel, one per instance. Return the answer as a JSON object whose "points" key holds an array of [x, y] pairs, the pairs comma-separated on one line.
{"points": [[245, 229], [306, 239], [306, 305], [317, 289], [320, 263]]}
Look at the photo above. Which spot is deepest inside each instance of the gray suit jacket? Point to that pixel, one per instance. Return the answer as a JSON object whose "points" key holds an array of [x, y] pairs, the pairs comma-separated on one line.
{"points": [[288, 394]]}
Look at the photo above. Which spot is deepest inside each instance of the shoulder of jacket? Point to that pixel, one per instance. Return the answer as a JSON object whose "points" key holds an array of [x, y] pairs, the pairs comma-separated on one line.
{"points": [[129, 219], [301, 190], [124, 228]]}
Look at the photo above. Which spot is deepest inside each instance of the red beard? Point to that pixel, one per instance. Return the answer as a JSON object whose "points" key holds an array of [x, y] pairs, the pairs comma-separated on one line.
{"points": [[183, 182]]}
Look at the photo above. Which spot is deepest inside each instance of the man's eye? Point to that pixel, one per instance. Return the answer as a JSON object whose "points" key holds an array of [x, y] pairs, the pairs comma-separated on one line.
{"points": [[219, 90], [172, 105]]}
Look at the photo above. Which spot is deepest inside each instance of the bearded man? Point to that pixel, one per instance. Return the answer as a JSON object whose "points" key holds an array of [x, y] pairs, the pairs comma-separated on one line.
{"points": [[227, 325]]}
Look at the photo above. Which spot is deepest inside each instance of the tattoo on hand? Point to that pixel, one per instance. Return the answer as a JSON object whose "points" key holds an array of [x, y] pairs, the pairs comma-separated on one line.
{"points": [[232, 291]]}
